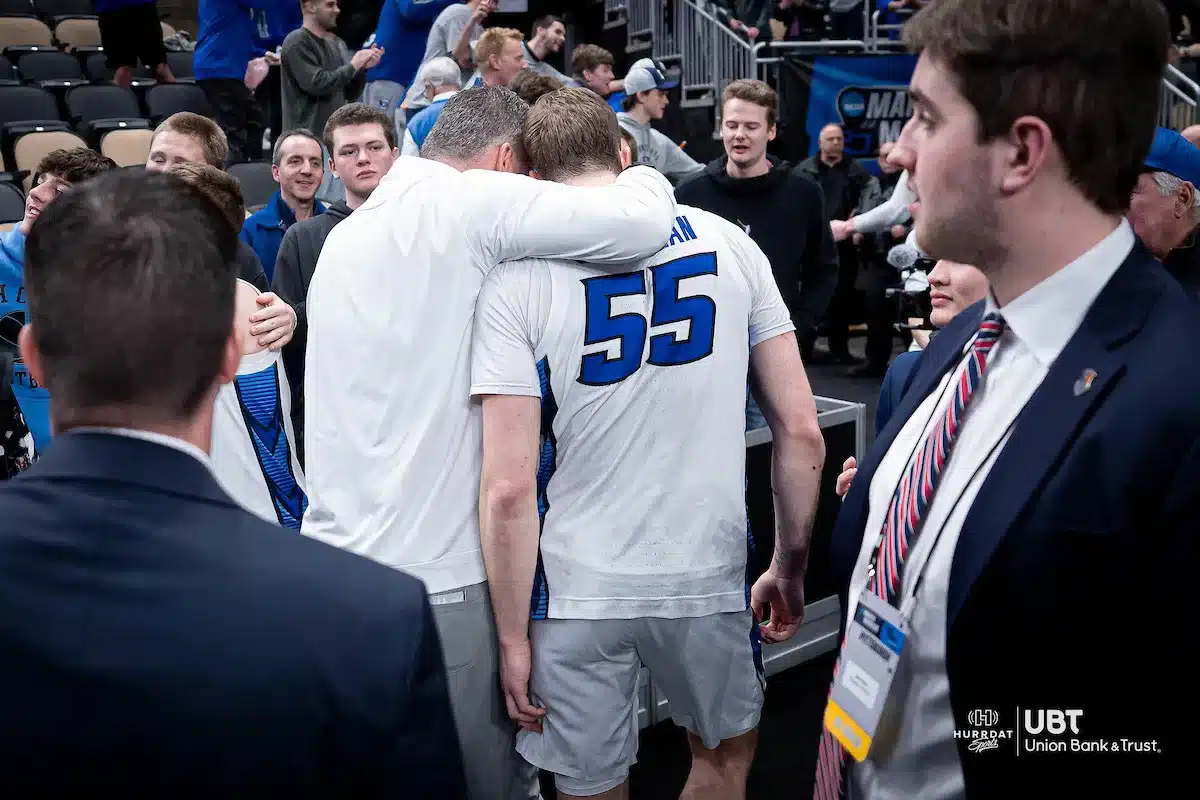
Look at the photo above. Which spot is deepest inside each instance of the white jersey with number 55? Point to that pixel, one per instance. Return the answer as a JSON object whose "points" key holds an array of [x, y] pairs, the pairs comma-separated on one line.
{"points": [[642, 377]]}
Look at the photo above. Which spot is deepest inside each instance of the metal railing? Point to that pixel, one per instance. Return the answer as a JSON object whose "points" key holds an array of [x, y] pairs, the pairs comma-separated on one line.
{"points": [[614, 13], [653, 23], [712, 55], [1178, 99]]}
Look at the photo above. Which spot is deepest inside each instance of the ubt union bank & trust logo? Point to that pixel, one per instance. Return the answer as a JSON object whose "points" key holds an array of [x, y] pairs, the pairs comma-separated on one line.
{"points": [[1043, 730], [985, 732], [872, 115]]}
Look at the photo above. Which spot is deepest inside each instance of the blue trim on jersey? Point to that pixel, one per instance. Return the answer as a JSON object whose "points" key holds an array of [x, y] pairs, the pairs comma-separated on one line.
{"points": [[547, 461], [755, 634], [262, 409]]}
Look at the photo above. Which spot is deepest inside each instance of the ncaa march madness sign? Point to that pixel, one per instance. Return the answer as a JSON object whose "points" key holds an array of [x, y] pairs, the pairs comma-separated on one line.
{"points": [[866, 95]]}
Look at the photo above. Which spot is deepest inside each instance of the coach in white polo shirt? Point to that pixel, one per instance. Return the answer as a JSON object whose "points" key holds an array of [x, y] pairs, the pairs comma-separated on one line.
{"points": [[393, 440]]}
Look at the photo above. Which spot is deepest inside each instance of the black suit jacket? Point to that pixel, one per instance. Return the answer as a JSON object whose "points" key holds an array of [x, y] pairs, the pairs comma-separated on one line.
{"points": [[157, 640], [1076, 563]]}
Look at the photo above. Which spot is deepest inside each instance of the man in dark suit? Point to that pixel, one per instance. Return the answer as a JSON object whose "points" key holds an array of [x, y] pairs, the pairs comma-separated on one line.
{"points": [[1033, 500], [157, 640]]}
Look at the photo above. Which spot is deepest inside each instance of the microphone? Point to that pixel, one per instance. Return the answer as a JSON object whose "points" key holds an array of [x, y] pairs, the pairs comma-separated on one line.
{"points": [[903, 256]]}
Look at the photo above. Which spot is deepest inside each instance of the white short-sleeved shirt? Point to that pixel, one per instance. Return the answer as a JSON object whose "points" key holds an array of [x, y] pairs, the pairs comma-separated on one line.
{"points": [[642, 376], [393, 442]]}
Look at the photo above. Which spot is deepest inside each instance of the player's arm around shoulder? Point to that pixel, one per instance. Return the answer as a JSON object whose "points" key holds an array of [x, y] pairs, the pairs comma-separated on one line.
{"points": [[516, 216]]}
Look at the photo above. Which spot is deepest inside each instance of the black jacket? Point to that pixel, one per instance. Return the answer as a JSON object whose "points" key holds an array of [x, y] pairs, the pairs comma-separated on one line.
{"points": [[250, 269], [159, 641], [1184, 265], [844, 184], [784, 213], [294, 268]]}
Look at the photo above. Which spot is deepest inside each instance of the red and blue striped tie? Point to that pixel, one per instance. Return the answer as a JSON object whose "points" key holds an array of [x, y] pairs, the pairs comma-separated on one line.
{"points": [[903, 521]]}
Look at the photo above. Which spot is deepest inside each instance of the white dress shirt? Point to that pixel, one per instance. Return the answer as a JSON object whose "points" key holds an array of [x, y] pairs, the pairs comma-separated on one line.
{"points": [[913, 754], [393, 441]]}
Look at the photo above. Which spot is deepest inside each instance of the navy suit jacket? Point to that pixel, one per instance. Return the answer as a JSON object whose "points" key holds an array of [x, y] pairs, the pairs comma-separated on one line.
{"points": [[159, 641], [895, 381], [1067, 587]]}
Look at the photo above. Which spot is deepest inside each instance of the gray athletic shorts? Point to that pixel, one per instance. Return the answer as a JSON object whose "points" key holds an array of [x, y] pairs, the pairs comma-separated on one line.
{"points": [[485, 732], [585, 674]]}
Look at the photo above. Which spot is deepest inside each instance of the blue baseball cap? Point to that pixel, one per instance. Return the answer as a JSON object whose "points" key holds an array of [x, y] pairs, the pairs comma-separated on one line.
{"points": [[1170, 152], [645, 75]]}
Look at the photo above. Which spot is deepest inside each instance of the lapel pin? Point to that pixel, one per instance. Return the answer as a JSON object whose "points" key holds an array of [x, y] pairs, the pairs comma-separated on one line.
{"points": [[1084, 384]]}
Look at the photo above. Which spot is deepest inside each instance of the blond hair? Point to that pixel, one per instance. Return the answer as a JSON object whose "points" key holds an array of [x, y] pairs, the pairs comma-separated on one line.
{"points": [[752, 91], [492, 43], [571, 132], [207, 134]]}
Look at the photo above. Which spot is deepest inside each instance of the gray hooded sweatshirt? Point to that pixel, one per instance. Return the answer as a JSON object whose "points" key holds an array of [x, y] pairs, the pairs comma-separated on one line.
{"points": [[658, 151]]}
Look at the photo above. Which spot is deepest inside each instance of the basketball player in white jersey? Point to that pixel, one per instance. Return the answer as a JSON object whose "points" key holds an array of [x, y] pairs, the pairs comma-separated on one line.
{"points": [[392, 438], [253, 447], [629, 545]]}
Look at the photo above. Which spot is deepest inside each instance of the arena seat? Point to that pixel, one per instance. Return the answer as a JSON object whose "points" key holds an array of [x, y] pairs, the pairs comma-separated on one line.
{"points": [[8, 73], [96, 69], [12, 203], [127, 147], [49, 65], [97, 109], [78, 35], [258, 184], [16, 8], [58, 10], [31, 148], [24, 109], [169, 98], [23, 33], [181, 65]]}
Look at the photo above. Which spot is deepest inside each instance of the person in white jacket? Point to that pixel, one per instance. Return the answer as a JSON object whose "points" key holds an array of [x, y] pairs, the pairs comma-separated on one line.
{"points": [[893, 211]]}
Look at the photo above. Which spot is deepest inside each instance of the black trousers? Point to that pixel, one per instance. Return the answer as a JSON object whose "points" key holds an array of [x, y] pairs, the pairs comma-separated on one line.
{"points": [[848, 24], [269, 95], [844, 305], [239, 115]]}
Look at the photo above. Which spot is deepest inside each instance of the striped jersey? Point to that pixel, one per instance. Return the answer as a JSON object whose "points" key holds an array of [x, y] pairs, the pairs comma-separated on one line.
{"points": [[253, 448], [642, 380]]}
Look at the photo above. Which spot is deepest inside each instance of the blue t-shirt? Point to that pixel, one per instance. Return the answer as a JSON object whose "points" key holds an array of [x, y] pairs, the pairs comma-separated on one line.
{"points": [[227, 38], [272, 27], [422, 122], [32, 398], [402, 33]]}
